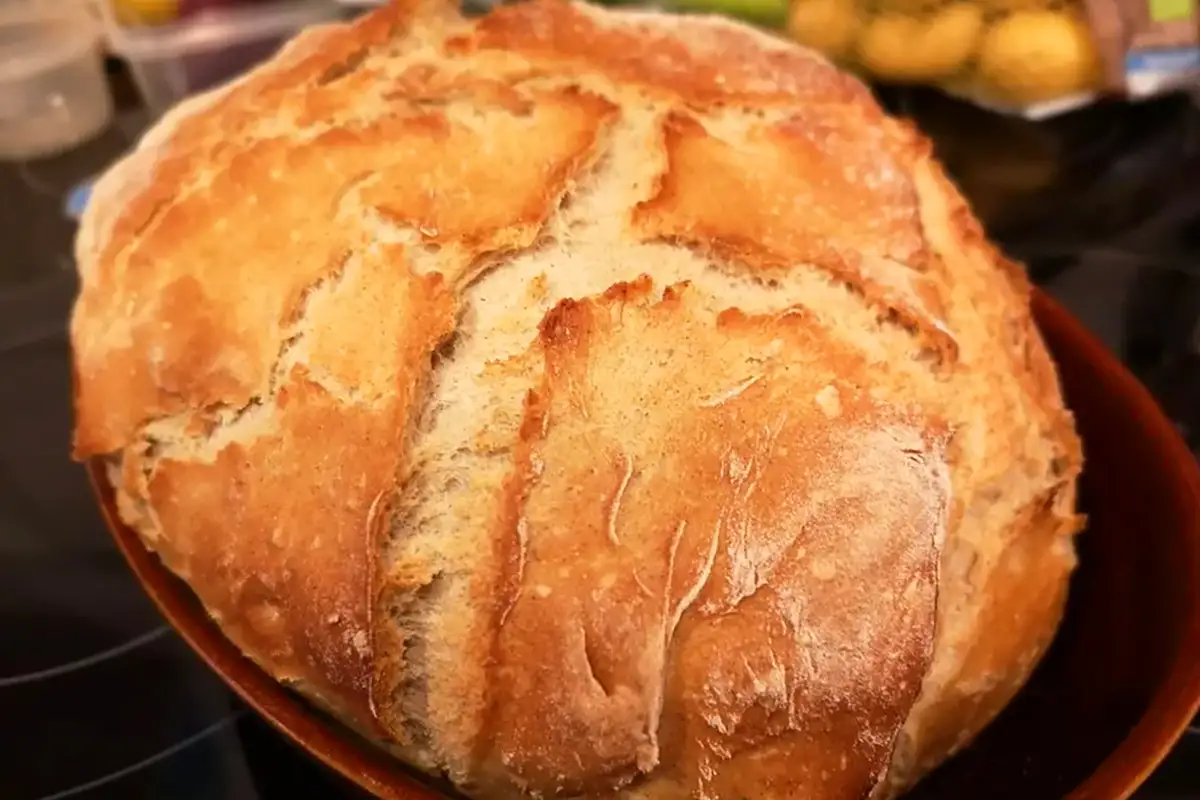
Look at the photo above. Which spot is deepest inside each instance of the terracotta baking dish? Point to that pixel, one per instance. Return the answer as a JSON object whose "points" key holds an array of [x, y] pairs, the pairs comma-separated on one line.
{"points": [[1116, 691]]}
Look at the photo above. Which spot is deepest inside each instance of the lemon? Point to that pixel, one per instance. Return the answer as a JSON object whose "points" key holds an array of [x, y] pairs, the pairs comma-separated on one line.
{"points": [[951, 37], [825, 25], [1033, 56], [905, 48], [911, 8], [145, 12], [885, 47], [1009, 6]]}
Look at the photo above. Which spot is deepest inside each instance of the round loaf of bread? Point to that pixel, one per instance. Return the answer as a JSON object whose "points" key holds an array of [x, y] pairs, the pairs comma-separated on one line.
{"points": [[582, 402]]}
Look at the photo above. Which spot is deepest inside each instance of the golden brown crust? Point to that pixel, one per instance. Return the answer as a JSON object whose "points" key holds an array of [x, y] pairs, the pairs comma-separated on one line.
{"points": [[268, 587], [294, 586], [701, 62], [698, 590], [222, 359], [1003, 542], [1025, 593], [441, 199], [378, 345], [813, 188]]}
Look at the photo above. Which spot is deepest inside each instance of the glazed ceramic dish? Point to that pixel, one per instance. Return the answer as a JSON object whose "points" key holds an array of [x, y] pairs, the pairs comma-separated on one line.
{"points": [[1116, 691]]}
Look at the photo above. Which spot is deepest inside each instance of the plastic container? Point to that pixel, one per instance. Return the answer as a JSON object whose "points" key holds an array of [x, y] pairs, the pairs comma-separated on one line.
{"points": [[53, 91], [170, 62]]}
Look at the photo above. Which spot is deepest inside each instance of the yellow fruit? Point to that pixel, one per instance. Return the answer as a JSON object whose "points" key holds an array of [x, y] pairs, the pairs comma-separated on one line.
{"points": [[885, 47], [904, 48], [145, 12], [1033, 56], [1008, 6], [951, 36], [825, 25], [911, 8]]}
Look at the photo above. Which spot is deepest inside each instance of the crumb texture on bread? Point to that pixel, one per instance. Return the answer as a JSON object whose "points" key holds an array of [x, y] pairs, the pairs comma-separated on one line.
{"points": [[582, 402]]}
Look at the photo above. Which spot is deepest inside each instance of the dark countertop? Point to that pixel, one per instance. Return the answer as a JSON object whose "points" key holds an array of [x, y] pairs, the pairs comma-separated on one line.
{"points": [[1105, 206]]}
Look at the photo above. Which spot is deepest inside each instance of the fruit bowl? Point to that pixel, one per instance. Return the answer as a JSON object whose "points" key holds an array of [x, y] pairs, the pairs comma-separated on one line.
{"points": [[1117, 689]]}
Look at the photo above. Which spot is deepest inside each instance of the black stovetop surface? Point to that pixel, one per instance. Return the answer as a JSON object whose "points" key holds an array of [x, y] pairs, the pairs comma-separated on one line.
{"points": [[100, 699]]}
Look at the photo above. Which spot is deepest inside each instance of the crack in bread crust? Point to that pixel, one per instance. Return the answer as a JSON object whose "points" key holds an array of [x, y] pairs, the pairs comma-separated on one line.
{"points": [[584, 658], [364, 366]]}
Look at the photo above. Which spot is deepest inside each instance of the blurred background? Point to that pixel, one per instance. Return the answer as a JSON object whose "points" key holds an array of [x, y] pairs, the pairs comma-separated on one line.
{"points": [[1071, 125]]}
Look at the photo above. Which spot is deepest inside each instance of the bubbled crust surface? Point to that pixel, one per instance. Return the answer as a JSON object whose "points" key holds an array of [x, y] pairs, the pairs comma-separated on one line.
{"points": [[581, 402]]}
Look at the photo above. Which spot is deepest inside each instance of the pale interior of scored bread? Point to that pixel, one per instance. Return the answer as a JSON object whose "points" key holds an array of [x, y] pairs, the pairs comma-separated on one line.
{"points": [[629, 188]]}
